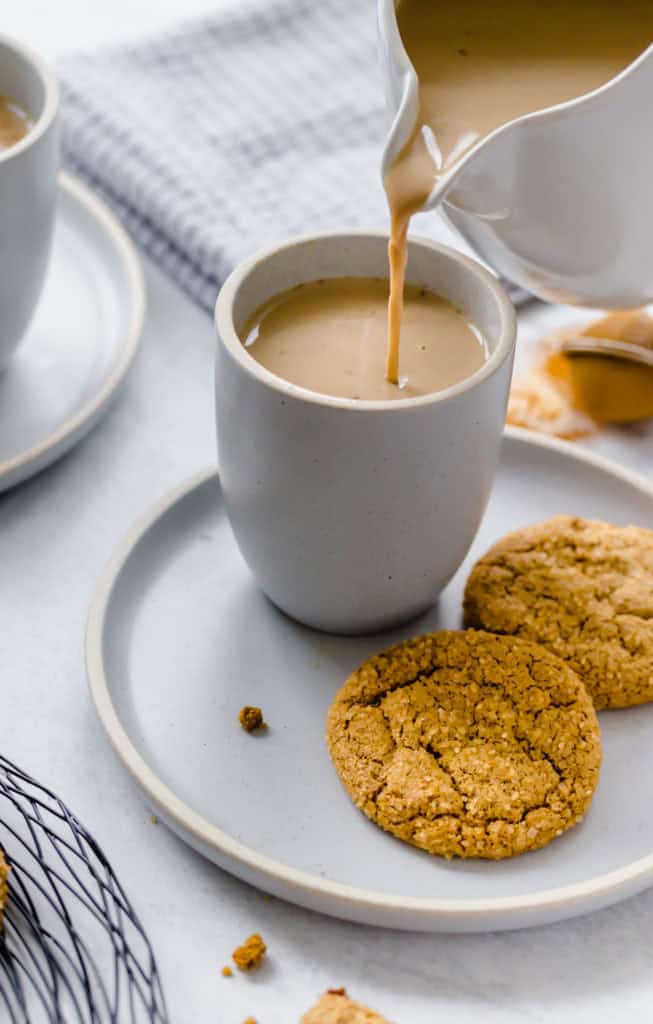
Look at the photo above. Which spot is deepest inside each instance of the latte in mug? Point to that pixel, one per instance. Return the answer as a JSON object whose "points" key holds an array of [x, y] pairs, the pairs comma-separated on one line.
{"points": [[329, 336], [14, 123]]}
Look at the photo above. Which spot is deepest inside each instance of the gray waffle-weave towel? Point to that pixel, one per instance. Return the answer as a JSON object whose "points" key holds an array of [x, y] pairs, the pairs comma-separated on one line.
{"points": [[235, 131]]}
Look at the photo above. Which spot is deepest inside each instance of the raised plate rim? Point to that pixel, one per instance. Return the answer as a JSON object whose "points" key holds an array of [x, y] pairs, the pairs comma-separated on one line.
{"points": [[25, 464], [428, 913]]}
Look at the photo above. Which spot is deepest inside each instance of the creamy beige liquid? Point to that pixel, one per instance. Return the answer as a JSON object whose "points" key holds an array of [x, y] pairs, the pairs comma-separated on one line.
{"points": [[330, 336], [14, 123], [482, 63]]}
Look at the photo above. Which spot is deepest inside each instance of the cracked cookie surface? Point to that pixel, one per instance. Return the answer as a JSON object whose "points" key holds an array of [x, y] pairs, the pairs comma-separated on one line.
{"points": [[467, 744], [583, 589]]}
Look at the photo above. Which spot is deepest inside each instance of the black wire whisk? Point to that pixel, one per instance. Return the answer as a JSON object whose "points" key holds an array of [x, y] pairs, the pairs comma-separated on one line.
{"points": [[72, 949]]}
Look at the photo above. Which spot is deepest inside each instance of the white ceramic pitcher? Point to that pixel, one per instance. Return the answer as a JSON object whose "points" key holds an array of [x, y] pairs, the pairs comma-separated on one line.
{"points": [[560, 201]]}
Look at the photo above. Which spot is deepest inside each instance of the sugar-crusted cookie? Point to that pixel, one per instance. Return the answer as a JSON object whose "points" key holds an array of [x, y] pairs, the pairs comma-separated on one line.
{"points": [[336, 1007], [582, 588], [467, 744]]}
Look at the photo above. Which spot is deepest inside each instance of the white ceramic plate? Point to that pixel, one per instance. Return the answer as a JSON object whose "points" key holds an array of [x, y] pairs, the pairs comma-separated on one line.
{"points": [[179, 638], [81, 343]]}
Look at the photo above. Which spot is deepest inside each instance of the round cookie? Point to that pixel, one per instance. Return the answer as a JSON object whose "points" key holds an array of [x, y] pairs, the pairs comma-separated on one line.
{"points": [[582, 588], [467, 744]]}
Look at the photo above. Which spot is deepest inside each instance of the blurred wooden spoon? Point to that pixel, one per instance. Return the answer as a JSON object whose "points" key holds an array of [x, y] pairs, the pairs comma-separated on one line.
{"points": [[587, 344], [610, 380]]}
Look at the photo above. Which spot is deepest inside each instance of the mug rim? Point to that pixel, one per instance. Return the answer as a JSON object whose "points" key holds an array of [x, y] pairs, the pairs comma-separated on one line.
{"points": [[50, 91], [228, 336]]}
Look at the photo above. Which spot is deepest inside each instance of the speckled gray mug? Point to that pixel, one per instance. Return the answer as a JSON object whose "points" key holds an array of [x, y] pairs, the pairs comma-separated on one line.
{"points": [[354, 515]]}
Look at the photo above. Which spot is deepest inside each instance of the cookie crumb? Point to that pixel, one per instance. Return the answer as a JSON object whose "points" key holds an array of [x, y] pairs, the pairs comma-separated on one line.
{"points": [[227, 972], [251, 718], [154, 819], [250, 955]]}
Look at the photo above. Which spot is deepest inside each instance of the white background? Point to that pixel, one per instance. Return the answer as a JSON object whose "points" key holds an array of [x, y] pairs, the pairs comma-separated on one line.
{"points": [[56, 532]]}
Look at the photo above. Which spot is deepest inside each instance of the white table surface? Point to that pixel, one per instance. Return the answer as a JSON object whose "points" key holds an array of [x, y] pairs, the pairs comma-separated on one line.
{"points": [[56, 533]]}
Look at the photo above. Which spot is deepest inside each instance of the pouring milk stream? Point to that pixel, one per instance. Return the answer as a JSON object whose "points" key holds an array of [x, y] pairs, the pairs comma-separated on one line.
{"points": [[554, 191]]}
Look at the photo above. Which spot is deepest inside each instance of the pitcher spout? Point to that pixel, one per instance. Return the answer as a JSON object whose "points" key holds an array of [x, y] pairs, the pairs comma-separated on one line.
{"points": [[558, 200]]}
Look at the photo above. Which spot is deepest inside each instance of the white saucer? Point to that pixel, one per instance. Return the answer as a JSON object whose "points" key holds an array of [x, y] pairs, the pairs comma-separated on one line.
{"points": [[82, 341], [179, 638]]}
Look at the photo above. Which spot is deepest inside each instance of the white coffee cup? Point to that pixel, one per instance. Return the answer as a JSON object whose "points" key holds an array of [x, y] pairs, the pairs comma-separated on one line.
{"points": [[354, 515], [28, 191]]}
